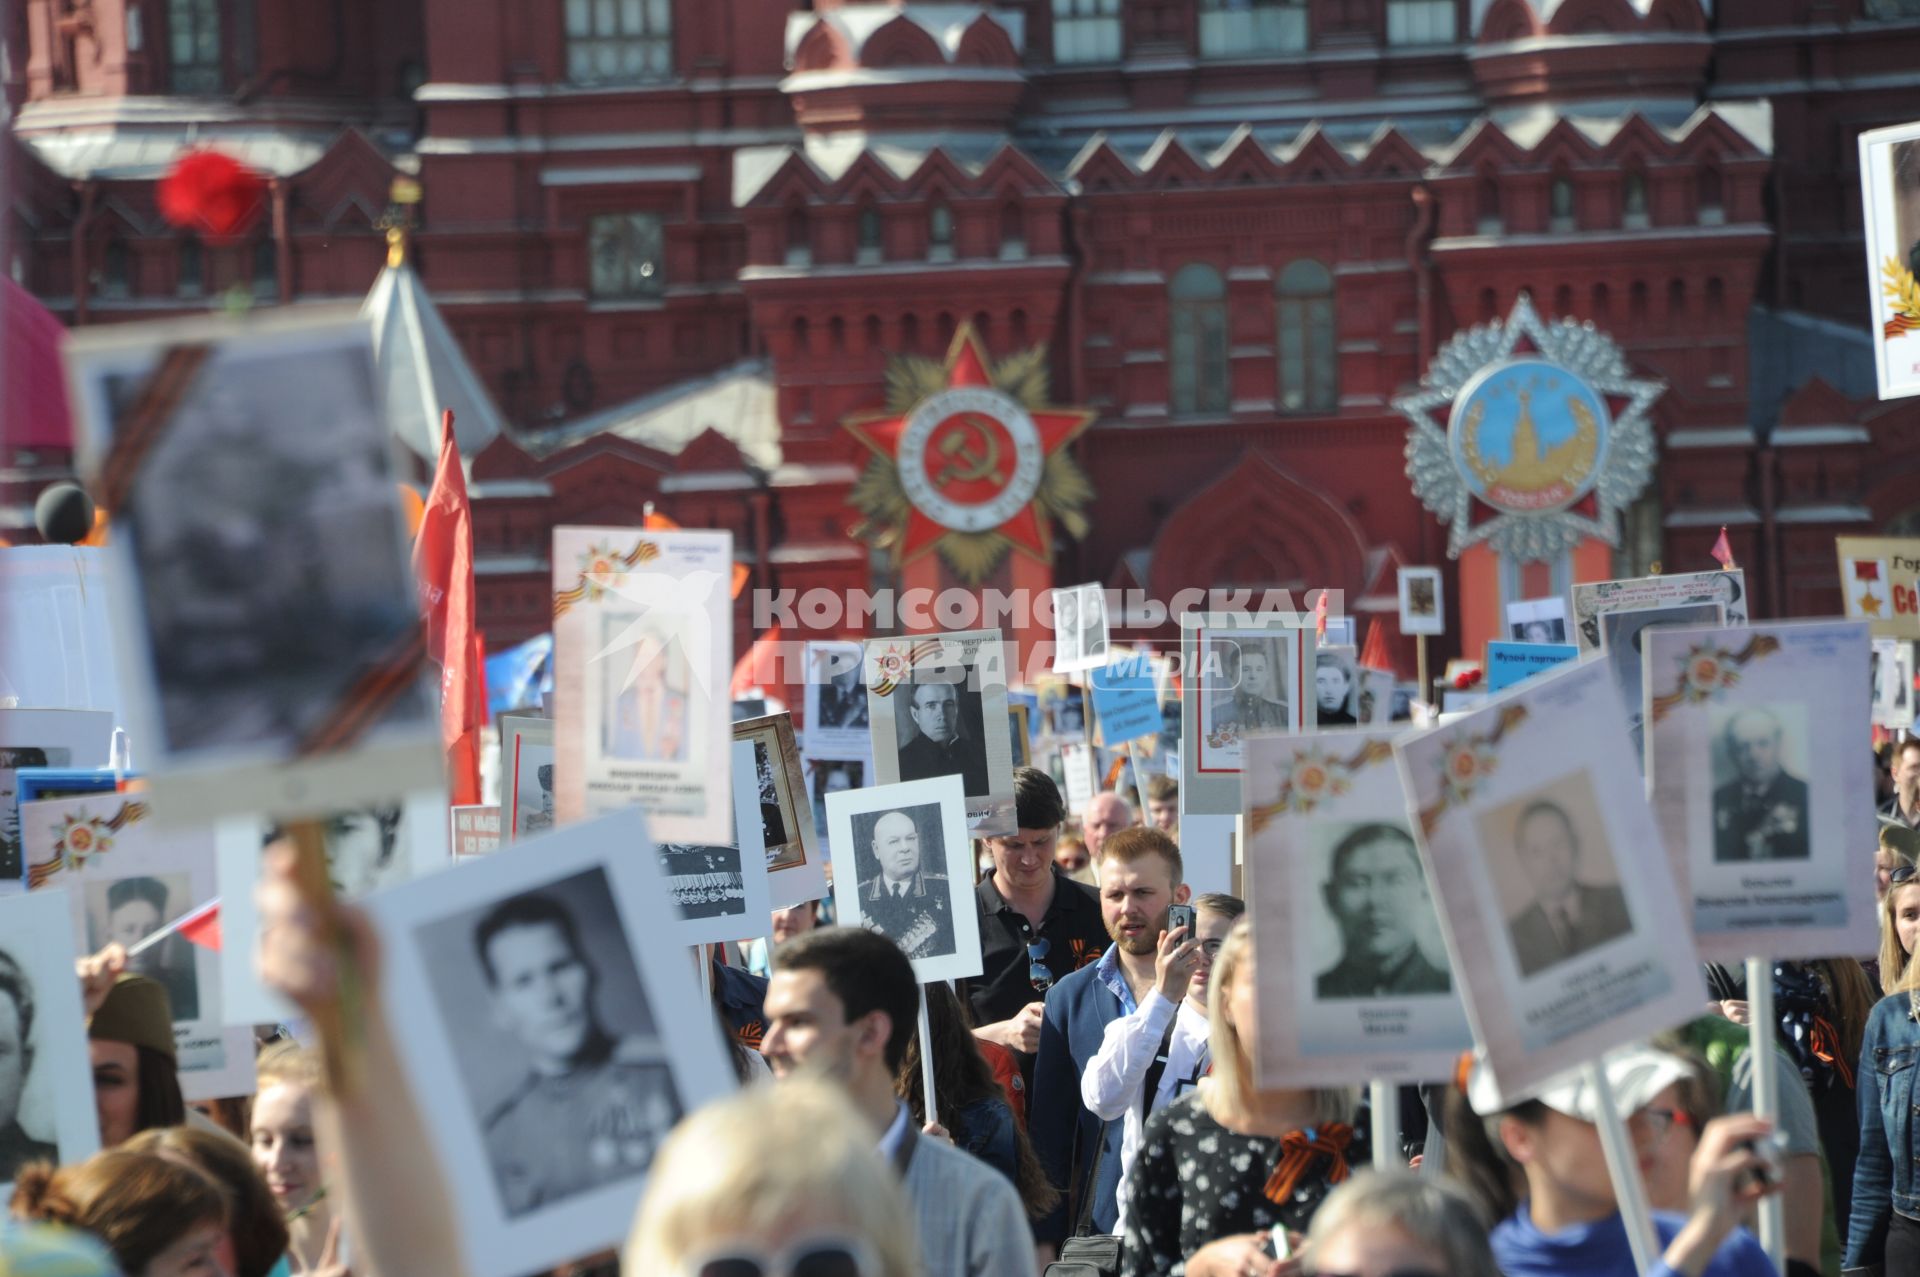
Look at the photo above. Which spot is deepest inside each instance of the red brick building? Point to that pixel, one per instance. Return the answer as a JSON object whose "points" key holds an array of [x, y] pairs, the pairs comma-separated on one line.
{"points": [[678, 242]]}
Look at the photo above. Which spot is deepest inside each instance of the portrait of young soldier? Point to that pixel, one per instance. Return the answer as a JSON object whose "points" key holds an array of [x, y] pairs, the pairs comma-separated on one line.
{"points": [[594, 1104], [1377, 894], [1257, 702]]}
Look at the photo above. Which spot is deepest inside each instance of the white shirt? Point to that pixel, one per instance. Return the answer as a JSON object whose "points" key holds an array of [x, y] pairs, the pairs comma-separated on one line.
{"points": [[1111, 1085], [890, 1142]]}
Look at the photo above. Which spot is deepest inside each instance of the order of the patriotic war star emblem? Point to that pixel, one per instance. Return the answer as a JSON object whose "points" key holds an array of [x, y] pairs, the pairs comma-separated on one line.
{"points": [[970, 459], [1530, 435]]}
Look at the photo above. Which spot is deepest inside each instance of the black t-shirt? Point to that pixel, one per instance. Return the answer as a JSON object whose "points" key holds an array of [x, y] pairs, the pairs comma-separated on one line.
{"points": [[1072, 928]]}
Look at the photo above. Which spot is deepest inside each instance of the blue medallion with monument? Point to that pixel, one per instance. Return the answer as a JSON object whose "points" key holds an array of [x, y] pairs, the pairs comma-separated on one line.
{"points": [[1529, 435]]}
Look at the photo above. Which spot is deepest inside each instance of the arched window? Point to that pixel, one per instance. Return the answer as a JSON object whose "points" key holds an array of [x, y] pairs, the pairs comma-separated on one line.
{"points": [[910, 334], [1633, 200], [1013, 231], [192, 274], [873, 332], [836, 334], [940, 233], [801, 335], [1712, 212], [1602, 304], [983, 327], [799, 237], [1198, 358], [869, 232], [1309, 368], [1487, 199], [1563, 302], [943, 327], [1561, 204]]}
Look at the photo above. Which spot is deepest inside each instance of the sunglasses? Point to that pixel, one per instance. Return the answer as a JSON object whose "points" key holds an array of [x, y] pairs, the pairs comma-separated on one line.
{"points": [[809, 1257], [1039, 974], [1905, 873]]}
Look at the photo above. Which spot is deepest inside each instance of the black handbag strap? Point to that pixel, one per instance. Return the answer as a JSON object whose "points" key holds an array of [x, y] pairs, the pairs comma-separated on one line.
{"points": [[1157, 1069], [1083, 1224]]}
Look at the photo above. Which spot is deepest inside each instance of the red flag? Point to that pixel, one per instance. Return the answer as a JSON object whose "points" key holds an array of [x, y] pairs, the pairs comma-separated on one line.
{"points": [[1320, 618], [202, 926], [443, 565], [1723, 552], [1376, 655], [760, 667]]}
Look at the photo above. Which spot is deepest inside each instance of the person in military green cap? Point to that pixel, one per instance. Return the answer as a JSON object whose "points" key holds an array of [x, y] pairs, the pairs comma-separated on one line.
{"points": [[593, 1107], [136, 1075], [17, 1148]]}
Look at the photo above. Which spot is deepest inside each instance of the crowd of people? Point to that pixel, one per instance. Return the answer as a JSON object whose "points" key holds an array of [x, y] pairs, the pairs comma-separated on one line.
{"points": [[1097, 1108]]}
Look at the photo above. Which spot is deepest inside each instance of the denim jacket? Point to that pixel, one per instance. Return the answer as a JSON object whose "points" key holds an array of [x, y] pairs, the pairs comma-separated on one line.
{"points": [[1884, 1178]]}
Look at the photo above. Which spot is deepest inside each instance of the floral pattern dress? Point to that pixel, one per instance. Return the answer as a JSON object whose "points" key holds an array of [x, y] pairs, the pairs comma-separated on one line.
{"points": [[1195, 1182]]}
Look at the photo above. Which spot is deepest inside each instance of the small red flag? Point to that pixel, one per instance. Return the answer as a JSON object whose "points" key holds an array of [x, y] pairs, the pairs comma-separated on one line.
{"points": [[202, 926], [1723, 552], [1320, 618], [443, 566]]}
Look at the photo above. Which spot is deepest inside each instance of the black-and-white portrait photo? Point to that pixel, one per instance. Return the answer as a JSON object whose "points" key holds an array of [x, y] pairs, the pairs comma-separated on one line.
{"points": [[842, 699], [1620, 635], [1759, 783], [1079, 628], [904, 893], [272, 571], [773, 825], [1243, 686], [19, 1145], [1892, 684], [560, 1052], [1550, 858], [941, 731], [705, 882], [125, 911], [1063, 709], [1376, 896], [1020, 734], [830, 776], [12, 759], [645, 709], [1540, 630], [1422, 600], [1336, 687]]}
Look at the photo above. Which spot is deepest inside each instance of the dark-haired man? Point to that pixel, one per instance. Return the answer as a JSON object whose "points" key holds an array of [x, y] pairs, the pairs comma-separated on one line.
{"points": [[593, 1108], [1377, 894], [136, 908], [1567, 916], [842, 1005], [17, 1148], [942, 745]]}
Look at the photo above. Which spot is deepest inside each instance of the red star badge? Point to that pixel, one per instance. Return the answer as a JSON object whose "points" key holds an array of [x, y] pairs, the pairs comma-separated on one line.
{"points": [[970, 457]]}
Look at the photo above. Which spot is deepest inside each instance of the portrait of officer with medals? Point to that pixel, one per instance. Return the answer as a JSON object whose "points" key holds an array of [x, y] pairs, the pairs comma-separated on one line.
{"points": [[594, 1104], [902, 900], [1256, 702], [1760, 812]]}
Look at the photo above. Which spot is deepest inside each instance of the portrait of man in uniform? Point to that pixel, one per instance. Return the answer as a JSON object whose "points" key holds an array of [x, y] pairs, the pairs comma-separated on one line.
{"points": [[1333, 680], [594, 1103], [135, 908], [904, 899], [1760, 809], [1255, 701], [1566, 916], [17, 1146], [1376, 893], [945, 737]]}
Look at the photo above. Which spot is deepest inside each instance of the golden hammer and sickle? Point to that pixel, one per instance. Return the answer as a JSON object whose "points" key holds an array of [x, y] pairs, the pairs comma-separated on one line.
{"points": [[964, 464]]}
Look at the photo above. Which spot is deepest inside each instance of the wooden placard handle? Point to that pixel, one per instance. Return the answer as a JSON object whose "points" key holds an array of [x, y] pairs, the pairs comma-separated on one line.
{"points": [[337, 1023]]}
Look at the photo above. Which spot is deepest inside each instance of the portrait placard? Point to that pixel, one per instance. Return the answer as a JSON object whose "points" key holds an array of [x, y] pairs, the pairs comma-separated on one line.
{"points": [[642, 646], [1063, 709], [1242, 676], [267, 619], [1079, 628], [46, 1084], [1623, 639], [1555, 893], [42, 738], [1423, 608], [1764, 797], [720, 889], [836, 702], [1510, 663], [1892, 683], [830, 776], [1335, 705], [526, 775], [1877, 583], [56, 632], [796, 864], [1597, 598], [1890, 211], [476, 831], [1538, 621], [368, 849], [1020, 707], [1343, 918], [931, 701], [1080, 778], [1377, 694], [903, 866], [127, 876], [548, 1110]]}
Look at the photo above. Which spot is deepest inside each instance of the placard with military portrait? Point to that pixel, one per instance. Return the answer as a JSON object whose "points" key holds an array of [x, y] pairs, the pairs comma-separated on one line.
{"points": [[796, 865], [1763, 794], [1241, 676], [938, 705], [836, 702], [46, 1082], [903, 866], [1355, 976]]}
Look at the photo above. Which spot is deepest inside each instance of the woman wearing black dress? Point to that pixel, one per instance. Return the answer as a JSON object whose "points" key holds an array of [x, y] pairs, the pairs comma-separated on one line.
{"points": [[1218, 1169]]}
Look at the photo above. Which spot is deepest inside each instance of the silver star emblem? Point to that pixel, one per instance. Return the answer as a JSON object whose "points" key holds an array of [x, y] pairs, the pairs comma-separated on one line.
{"points": [[1625, 454]]}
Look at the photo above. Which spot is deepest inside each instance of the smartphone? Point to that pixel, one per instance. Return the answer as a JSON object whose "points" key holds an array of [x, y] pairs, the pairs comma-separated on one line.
{"points": [[1180, 916]]}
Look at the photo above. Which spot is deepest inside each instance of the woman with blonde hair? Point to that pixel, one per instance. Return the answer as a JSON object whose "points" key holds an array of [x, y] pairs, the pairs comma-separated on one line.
{"points": [[774, 1180], [1899, 928], [287, 1151], [1218, 1169], [159, 1217]]}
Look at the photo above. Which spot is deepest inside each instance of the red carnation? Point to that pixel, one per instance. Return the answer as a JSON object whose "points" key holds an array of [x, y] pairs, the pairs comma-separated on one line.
{"points": [[1465, 679], [211, 193]]}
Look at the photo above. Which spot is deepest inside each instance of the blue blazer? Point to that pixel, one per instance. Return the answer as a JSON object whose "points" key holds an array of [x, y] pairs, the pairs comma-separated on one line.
{"points": [[1078, 1010]]}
